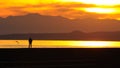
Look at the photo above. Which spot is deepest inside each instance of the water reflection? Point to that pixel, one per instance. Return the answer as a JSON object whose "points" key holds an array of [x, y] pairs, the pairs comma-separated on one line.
{"points": [[59, 44], [94, 44]]}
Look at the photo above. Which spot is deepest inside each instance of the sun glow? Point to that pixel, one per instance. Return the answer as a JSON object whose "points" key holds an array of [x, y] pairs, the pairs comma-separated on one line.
{"points": [[95, 44], [101, 10], [59, 44], [97, 2], [72, 9]]}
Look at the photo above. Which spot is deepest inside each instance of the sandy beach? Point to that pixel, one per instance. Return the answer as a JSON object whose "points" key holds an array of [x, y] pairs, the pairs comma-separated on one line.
{"points": [[59, 58]]}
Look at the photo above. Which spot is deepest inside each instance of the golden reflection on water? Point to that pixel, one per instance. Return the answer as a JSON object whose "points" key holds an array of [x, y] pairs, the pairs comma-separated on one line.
{"points": [[94, 44], [59, 44]]}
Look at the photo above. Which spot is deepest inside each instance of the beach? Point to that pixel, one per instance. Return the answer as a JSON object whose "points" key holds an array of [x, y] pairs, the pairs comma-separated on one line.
{"points": [[59, 58]]}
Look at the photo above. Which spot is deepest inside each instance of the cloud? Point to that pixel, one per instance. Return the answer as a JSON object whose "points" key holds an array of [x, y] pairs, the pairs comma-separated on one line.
{"points": [[70, 10]]}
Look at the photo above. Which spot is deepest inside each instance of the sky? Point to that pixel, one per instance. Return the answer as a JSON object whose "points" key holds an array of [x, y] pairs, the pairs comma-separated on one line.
{"points": [[72, 9]]}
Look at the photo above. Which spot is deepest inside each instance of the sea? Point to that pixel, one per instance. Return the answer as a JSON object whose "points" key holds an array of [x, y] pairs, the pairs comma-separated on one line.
{"points": [[59, 44]]}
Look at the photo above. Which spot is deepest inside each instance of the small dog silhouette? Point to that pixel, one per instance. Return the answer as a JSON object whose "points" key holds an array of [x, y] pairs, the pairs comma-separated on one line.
{"points": [[17, 42]]}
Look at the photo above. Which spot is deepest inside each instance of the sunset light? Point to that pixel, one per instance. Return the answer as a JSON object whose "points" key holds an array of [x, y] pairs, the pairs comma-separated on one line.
{"points": [[59, 33], [101, 10], [59, 44], [70, 9], [94, 44], [97, 2]]}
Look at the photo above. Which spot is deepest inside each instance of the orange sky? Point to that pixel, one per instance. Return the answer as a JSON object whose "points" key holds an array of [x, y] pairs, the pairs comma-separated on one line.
{"points": [[101, 9]]}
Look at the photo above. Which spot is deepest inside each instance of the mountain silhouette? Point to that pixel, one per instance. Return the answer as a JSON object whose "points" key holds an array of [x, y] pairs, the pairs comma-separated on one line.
{"points": [[75, 35], [35, 23]]}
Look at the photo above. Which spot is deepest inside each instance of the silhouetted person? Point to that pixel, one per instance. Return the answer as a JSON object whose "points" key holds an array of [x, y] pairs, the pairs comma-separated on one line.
{"points": [[30, 43]]}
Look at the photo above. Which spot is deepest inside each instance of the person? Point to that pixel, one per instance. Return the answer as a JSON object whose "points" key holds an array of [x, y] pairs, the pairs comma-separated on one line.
{"points": [[30, 42]]}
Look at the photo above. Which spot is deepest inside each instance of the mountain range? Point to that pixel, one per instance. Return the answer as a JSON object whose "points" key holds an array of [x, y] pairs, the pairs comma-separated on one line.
{"points": [[58, 28], [35, 23]]}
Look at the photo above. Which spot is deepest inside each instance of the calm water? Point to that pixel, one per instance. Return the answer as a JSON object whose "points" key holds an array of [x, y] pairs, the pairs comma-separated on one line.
{"points": [[59, 44]]}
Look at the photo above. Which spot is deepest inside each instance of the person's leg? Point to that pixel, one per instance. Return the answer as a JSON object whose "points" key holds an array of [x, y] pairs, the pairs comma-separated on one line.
{"points": [[30, 45]]}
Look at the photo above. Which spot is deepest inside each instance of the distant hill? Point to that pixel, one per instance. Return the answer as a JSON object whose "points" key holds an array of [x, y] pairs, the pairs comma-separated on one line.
{"points": [[76, 35], [35, 23]]}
